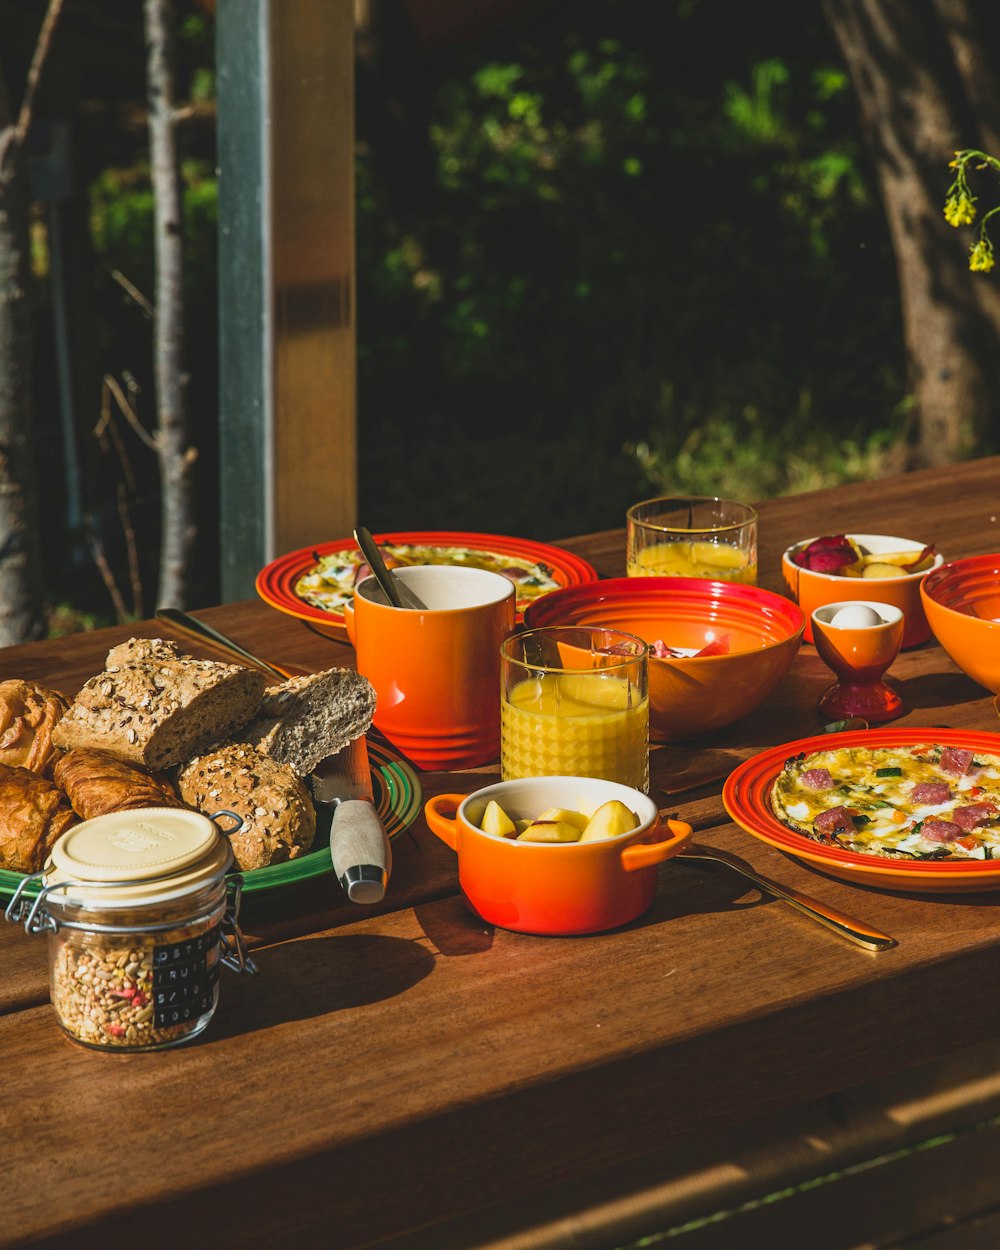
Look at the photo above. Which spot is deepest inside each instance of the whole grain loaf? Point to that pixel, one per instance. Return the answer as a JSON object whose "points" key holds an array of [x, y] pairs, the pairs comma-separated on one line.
{"points": [[144, 651], [279, 819], [160, 707], [305, 719]]}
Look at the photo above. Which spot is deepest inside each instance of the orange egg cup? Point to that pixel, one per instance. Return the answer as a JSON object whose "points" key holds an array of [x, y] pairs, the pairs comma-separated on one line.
{"points": [[859, 656], [555, 889]]}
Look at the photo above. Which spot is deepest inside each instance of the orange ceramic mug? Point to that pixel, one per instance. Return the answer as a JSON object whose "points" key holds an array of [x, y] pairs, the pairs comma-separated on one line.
{"points": [[436, 671]]}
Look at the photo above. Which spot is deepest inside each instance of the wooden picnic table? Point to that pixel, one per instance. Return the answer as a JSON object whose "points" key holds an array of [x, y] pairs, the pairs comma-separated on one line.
{"points": [[405, 1076]]}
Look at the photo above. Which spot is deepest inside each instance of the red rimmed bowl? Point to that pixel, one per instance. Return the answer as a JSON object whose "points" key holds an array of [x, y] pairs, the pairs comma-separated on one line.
{"points": [[961, 601], [690, 696]]}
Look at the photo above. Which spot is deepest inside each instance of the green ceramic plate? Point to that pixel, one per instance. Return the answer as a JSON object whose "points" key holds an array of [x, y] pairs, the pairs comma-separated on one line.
{"points": [[398, 798]]}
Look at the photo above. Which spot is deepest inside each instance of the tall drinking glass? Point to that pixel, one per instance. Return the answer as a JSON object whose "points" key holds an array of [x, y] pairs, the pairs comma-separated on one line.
{"points": [[575, 702]]}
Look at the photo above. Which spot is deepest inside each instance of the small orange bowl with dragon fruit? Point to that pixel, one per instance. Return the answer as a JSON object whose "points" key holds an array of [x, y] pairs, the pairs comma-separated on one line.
{"points": [[836, 567], [717, 649]]}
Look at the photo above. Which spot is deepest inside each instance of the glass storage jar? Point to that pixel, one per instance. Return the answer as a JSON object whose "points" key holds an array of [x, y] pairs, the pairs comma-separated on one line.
{"points": [[139, 912]]}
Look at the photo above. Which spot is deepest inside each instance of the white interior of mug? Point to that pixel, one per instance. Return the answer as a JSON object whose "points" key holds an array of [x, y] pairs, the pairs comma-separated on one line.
{"points": [[445, 587]]}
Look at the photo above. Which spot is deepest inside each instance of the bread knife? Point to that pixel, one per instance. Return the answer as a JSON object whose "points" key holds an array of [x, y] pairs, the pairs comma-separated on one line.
{"points": [[359, 847]]}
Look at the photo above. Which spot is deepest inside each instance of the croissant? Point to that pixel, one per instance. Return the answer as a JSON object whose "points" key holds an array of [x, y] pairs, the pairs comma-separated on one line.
{"points": [[27, 714], [97, 782], [34, 814]]}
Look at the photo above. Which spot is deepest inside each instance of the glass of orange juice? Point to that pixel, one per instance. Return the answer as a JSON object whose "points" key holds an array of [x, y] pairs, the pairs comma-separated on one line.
{"points": [[575, 703], [692, 536]]}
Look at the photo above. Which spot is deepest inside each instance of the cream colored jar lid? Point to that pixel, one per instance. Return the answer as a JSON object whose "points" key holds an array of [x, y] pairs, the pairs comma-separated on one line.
{"points": [[147, 855]]}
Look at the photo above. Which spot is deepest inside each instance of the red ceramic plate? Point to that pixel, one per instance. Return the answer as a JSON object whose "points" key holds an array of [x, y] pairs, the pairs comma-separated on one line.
{"points": [[746, 795], [277, 583]]}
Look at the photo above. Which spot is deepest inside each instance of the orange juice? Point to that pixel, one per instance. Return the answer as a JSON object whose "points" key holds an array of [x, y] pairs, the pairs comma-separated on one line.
{"points": [[585, 724], [720, 561]]}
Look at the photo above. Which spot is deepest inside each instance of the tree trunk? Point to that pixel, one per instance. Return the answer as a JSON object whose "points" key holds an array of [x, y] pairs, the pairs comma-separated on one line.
{"points": [[21, 615], [176, 457], [923, 92]]}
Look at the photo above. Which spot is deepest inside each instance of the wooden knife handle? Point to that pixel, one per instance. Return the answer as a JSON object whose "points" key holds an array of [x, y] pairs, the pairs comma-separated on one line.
{"points": [[362, 857]]}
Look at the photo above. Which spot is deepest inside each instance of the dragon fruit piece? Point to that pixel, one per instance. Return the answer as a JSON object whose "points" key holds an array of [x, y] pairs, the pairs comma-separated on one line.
{"points": [[826, 555]]}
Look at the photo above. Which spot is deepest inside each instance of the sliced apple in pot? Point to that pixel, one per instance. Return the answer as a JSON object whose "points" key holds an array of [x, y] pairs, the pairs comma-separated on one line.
{"points": [[611, 820], [550, 831], [495, 820]]}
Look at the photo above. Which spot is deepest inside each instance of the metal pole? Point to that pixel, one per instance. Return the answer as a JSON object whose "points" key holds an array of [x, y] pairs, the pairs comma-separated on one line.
{"points": [[288, 437]]}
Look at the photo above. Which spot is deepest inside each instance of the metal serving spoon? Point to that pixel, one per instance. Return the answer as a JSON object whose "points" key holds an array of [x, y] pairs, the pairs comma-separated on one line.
{"points": [[394, 588], [854, 930]]}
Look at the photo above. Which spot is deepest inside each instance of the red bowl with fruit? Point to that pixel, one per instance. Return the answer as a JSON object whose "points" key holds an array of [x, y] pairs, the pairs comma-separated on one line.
{"points": [[717, 649], [879, 567]]}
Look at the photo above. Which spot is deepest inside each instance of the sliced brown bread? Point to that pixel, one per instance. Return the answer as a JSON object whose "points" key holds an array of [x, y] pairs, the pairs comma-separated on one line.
{"points": [[159, 707], [279, 819], [305, 719]]}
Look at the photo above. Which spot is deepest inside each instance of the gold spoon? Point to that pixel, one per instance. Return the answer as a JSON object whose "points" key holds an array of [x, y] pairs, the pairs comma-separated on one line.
{"points": [[856, 931]]}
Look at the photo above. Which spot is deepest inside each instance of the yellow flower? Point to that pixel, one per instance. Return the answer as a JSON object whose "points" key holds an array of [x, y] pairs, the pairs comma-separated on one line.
{"points": [[981, 258], [960, 210]]}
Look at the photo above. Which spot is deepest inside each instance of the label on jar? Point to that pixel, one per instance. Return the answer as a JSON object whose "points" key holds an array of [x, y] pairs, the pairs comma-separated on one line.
{"points": [[183, 979]]}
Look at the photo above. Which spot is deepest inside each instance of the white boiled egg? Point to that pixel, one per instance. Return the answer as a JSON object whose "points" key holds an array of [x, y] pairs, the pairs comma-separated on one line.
{"points": [[856, 616]]}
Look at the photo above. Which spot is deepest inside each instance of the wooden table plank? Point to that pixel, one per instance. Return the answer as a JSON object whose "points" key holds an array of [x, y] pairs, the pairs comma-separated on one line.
{"points": [[395, 1068], [393, 1045]]}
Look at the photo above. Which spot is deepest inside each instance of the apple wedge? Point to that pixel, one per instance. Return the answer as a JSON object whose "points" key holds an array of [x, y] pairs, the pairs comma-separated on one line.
{"points": [[550, 831], [611, 820], [495, 820], [563, 813]]}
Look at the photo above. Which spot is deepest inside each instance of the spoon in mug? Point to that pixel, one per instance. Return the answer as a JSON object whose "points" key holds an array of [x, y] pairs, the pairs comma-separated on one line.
{"points": [[394, 588]]}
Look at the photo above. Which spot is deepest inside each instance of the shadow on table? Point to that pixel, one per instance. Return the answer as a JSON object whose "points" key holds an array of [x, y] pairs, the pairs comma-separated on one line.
{"points": [[301, 979], [931, 690]]}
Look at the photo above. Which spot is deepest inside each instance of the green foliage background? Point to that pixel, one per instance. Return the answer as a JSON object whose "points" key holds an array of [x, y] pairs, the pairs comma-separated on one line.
{"points": [[612, 250], [647, 260]]}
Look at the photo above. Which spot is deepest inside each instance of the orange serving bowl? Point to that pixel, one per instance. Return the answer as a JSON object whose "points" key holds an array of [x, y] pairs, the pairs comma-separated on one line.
{"points": [[690, 696], [813, 590], [962, 603], [555, 888]]}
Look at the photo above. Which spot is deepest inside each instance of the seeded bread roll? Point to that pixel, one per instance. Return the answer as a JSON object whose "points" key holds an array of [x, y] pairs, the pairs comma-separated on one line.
{"points": [[279, 820], [158, 712], [305, 719], [34, 814], [144, 651], [97, 782], [27, 714]]}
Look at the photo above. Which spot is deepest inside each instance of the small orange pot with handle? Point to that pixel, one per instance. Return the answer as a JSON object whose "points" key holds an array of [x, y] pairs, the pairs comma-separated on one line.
{"points": [[555, 888]]}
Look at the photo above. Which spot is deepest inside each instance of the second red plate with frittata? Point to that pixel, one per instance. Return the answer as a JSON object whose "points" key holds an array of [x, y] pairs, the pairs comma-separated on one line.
{"points": [[747, 798], [314, 583]]}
